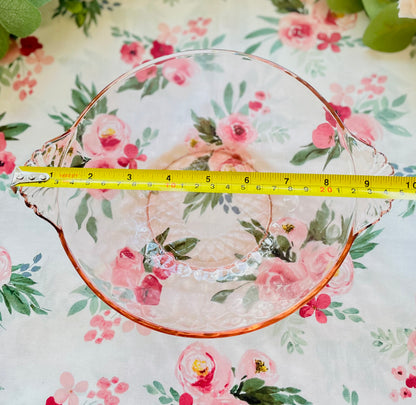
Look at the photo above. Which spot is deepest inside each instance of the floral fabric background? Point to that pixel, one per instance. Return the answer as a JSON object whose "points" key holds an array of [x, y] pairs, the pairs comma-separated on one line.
{"points": [[355, 343]]}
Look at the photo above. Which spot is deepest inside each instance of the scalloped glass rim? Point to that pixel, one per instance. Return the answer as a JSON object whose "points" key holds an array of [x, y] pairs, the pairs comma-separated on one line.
{"points": [[232, 332]]}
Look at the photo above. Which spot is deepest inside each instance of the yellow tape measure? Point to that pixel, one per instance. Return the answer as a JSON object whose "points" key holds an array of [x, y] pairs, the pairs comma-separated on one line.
{"points": [[306, 184]]}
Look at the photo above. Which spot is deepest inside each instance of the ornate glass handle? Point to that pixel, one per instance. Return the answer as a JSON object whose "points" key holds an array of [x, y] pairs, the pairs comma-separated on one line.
{"points": [[43, 201], [367, 160]]}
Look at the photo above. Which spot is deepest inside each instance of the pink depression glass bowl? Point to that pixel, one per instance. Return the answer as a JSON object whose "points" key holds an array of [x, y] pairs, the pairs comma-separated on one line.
{"points": [[208, 265]]}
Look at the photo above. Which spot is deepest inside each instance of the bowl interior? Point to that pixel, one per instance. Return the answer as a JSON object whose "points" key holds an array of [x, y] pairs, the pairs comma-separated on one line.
{"points": [[200, 264]]}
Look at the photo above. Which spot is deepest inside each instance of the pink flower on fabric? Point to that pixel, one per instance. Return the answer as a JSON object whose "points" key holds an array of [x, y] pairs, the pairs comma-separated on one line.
{"points": [[411, 343], [164, 265], [318, 259], [278, 279], [341, 283], [236, 129], [148, 292], [193, 140], [69, 389], [128, 326], [394, 396], [132, 155], [298, 31], [132, 53], [343, 112], [342, 96], [323, 136], [365, 127], [127, 268], [399, 373], [160, 49], [29, 45], [7, 159], [405, 393], [329, 41], [291, 228], [102, 163], [411, 381], [179, 71], [201, 370], [5, 266], [255, 364], [168, 35], [145, 74], [260, 95], [186, 399], [106, 137], [199, 27], [255, 105], [222, 161], [38, 58], [315, 305]]}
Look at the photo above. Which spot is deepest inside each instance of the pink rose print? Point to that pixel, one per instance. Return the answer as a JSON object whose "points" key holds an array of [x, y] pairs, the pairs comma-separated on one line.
{"points": [[186, 399], [132, 53], [343, 112], [29, 45], [131, 153], [279, 280], [7, 159], [323, 136], [127, 268], [298, 31], [236, 129], [102, 163], [145, 74], [148, 292], [411, 343], [399, 373], [330, 21], [365, 127], [315, 305], [5, 266], [179, 71], [255, 364], [201, 371], [294, 230], [160, 49], [164, 265], [341, 283], [106, 137], [69, 389], [318, 258], [222, 161]]}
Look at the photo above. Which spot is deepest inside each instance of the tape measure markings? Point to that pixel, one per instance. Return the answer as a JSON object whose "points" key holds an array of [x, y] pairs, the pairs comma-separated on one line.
{"points": [[308, 184]]}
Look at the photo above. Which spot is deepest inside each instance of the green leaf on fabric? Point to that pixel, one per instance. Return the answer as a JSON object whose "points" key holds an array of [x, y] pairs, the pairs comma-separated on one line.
{"points": [[130, 84], [373, 7], [207, 131], [308, 152], [219, 112], [228, 97], [253, 48], [399, 101], [181, 247], [77, 307], [106, 208], [19, 17], [221, 296], [200, 163], [261, 32], [162, 237], [82, 211], [289, 6], [216, 41], [159, 387], [345, 6], [92, 228], [387, 32], [4, 41], [12, 130]]}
